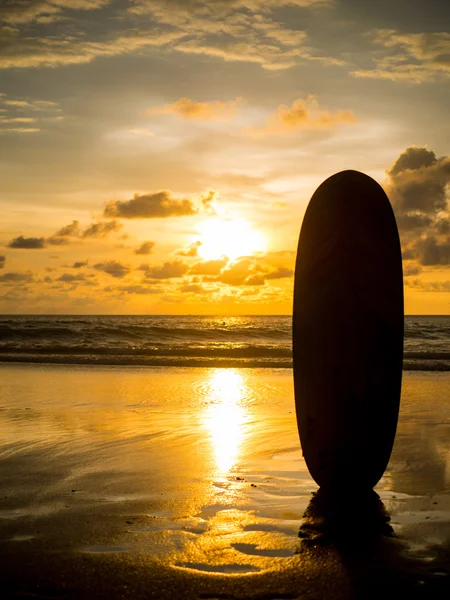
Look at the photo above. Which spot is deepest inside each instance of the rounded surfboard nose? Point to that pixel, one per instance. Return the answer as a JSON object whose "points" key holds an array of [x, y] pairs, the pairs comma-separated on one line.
{"points": [[348, 331]]}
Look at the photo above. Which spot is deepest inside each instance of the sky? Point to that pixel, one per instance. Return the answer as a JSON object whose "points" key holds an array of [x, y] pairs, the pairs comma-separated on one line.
{"points": [[157, 156]]}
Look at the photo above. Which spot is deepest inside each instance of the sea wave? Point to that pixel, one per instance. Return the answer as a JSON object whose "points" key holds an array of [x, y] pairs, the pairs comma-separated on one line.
{"points": [[425, 362], [257, 341]]}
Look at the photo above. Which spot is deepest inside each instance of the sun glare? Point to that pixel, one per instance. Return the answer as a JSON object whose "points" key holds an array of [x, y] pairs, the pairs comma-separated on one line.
{"points": [[225, 416], [229, 237]]}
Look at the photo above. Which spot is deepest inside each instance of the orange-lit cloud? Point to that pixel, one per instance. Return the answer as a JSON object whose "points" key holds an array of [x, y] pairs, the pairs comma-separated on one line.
{"points": [[209, 267], [304, 114], [154, 205], [251, 271], [198, 111], [190, 251], [168, 270]]}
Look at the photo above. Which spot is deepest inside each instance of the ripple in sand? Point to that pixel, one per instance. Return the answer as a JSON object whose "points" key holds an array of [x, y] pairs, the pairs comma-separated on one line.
{"points": [[227, 568], [253, 550], [103, 549], [269, 528]]}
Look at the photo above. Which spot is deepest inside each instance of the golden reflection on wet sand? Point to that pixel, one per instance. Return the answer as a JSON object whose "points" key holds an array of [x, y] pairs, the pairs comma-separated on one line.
{"points": [[225, 415]]}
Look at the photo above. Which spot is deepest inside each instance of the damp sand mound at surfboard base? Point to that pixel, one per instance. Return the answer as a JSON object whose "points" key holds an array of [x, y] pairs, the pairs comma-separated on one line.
{"points": [[190, 483], [188, 341]]}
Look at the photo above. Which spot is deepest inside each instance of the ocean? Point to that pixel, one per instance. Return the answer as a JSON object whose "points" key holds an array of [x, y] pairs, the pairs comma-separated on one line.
{"points": [[185, 341]]}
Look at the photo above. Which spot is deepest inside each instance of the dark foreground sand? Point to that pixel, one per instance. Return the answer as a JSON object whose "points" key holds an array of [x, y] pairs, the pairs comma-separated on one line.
{"points": [[189, 483]]}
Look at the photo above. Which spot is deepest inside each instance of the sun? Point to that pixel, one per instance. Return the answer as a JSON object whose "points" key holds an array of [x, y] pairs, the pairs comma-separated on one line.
{"points": [[229, 237]]}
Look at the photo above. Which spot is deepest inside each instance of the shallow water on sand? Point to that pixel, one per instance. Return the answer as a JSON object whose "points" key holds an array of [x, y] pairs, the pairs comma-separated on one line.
{"points": [[197, 469]]}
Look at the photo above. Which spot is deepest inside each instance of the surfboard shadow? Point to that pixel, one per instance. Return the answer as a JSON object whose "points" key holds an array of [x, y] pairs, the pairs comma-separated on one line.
{"points": [[345, 519], [349, 536]]}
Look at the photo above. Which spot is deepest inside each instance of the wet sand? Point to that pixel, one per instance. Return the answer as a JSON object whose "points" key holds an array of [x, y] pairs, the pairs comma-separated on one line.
{"points": [[189, 483]]}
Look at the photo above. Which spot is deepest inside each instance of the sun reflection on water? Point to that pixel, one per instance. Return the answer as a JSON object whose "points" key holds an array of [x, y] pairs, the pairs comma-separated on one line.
{"points": [[226, 415]]}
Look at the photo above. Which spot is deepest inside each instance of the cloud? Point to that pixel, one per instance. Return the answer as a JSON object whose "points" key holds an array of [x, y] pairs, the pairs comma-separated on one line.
{"points": [[32, 51], [280, 273], [138, 289], [73, 229], [191, 251], [431, 251], [412, 57], [303, 114], [145, 248], [246, 31], [30, 243], [429, 286], [169, 270], [411, 268], [18, 12], [239, 272], [102, 228], [57, 241], [79, 264], [193, 288], [198, 111], [236, 30], [25, 115], [113, 268], [2, 261], [209, 267], [252, 271], [154, 205], [70, 278], [418, 187], [16, 277]]}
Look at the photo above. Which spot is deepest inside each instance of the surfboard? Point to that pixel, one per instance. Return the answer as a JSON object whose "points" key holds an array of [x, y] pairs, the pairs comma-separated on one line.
{"points": [[348, 332]]}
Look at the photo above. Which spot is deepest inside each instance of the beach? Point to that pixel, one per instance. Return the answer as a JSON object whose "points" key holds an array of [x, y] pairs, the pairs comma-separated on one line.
{"points": [[138, 482]]}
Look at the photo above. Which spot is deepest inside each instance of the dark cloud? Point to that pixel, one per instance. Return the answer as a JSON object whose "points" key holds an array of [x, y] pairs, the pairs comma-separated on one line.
{"points": [[31, 243], [412, 268], [102, 228], [79, 264], [411, 159], [2, 261], [57, 241], [193, 288], [191, 250], [145, 248], [209, 267], [154, 205], [412, 221], [169, 270], [70, 278], [432, 252], [73, 229], [418, 185], [429, 286], [113, 268], [17, 278]]}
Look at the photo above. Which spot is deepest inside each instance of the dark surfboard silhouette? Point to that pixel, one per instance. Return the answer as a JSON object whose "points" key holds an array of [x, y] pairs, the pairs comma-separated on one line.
{"points": [[348, 332]]}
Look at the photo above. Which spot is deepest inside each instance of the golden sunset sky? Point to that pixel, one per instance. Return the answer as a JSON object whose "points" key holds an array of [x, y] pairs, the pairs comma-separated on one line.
{"points": [[157, 156]]}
